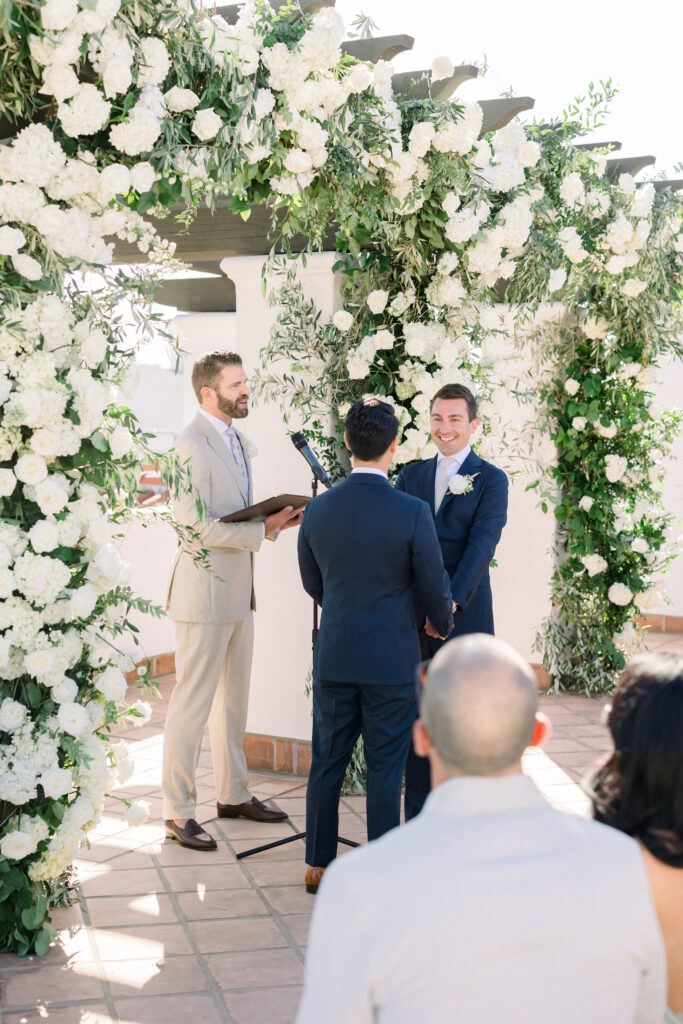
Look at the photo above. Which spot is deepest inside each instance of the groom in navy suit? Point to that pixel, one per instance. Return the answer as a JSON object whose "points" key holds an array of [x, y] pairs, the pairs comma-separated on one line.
{"points": [[468, 498], [370, 556]]}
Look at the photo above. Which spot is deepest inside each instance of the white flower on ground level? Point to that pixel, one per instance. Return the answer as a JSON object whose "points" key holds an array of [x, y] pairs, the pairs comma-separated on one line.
{"points": [[615, 468], [620, 594], [342, 320], [586, 503], [206, 124], [138, 813], [442, 67], [571, 386], [594, 564], [377, 300]]}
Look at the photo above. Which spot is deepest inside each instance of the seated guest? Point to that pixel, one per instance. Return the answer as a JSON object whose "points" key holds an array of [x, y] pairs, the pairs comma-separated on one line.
{"points": [[490, 905], [640, 791]]}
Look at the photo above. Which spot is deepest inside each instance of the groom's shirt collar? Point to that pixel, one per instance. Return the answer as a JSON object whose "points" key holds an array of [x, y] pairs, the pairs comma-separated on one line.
{"points": [[457, 459]]}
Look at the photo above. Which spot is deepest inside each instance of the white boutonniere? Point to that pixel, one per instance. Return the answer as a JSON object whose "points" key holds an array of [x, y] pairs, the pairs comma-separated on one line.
{"points": [[461, 483], [249, 447]]}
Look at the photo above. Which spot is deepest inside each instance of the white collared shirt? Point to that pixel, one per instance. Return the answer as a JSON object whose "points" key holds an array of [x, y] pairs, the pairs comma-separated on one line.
{"points": [[455, 461], [367, 469], [489, 906], [220, 425]]}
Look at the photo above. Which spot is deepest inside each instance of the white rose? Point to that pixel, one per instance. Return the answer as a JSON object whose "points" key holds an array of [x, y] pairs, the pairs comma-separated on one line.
{"points": [[56, 782], [57, 15], [16, 845], [11, 240], [360, 79], [27, 267], [73, 718], [579, 423], [142, 712], [83, 601], [155, 63], [595, 327], [633, 287], [12, 715], [138, 813], [64, 692], [43, 536], [529, 154], [615, 468], [586, 503], [264, 102], [179, 100], [556, 279], [31, 469], [8, 482], [206, 124], [620, 594], [342, 320], [640, 546], [571, 386], [357, 367], [52, 495], [377, 300], [120, 442], [142, 176], [94, 348], [442, 67], [595, 564], [60, 81], [648, 599], [383, 340], [606, 431], [421, 136], [114, 180], [111, 683], [298, 161], [627, 183]]}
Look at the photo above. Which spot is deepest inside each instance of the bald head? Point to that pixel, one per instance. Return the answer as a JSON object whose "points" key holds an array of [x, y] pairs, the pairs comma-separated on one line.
{"points": [[479, 706]]}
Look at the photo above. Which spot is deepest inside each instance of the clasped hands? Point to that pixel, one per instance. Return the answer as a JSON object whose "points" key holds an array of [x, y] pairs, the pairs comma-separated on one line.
{"points": [[283, 520], [429, 629]]}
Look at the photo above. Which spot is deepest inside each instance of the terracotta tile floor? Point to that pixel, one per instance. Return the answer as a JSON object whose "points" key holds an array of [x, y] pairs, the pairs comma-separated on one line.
{"points": [[163, 934]]}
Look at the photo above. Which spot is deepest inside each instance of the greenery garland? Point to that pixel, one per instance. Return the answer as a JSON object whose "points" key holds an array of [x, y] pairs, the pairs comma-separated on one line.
{"points": [[119, 110]]}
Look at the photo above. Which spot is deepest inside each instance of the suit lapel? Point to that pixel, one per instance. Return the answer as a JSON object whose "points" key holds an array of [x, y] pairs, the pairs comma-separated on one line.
{"points": [[218, 445], [470, 465], [427, 483]]}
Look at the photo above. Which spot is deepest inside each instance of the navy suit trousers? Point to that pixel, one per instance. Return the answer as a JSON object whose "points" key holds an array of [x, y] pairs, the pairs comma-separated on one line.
{"points": [[384, 716]]}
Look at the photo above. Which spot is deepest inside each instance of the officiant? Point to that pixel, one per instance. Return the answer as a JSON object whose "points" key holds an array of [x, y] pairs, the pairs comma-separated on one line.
{"points": [[212, 611]]}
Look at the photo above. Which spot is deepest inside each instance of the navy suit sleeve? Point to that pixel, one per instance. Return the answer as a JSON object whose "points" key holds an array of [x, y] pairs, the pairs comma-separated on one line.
{"points": [[432, 587], [484, 535], [311, 577]]}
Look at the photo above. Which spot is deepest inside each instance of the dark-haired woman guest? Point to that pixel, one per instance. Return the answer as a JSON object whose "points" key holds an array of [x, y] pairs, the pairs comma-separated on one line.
{"points": [[639, 790]]}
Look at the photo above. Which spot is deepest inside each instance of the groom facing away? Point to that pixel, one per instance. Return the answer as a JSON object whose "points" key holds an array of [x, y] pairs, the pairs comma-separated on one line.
{"points": [[369, 556], [468, 498]]}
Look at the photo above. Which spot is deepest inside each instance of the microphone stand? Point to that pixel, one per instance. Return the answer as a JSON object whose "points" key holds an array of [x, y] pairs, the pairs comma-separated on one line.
{"points": [[299, 835]]}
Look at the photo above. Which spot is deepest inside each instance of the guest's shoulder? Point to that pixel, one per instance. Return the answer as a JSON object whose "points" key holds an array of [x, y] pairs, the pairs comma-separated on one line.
{"points": [[413, 471]]}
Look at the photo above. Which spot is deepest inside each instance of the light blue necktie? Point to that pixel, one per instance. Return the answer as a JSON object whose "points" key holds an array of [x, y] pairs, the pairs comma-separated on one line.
{"points": [[238, 456]]}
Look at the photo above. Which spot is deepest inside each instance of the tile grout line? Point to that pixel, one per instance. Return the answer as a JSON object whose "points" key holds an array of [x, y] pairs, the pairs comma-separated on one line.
{"points": [[219, 1002], [111, 1009]]}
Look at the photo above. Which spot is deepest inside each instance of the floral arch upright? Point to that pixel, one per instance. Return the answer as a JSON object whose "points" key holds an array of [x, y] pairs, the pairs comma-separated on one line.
{"points": [[116, 110]]}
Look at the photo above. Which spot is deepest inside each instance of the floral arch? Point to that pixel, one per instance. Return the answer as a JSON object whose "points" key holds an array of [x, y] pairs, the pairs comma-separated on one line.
{"points": [[116, 110]]}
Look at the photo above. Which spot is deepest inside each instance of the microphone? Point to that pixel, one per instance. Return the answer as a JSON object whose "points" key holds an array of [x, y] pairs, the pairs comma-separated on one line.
{"points": [[300, 443]]}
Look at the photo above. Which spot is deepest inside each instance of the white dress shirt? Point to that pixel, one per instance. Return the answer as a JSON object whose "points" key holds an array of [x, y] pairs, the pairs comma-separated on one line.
{"points": [[489, 907], [454, 464], [369, 469]]}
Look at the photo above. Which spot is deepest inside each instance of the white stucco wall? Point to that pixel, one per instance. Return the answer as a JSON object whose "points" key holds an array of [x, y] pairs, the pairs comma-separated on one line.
{"points": [[282, 655]]}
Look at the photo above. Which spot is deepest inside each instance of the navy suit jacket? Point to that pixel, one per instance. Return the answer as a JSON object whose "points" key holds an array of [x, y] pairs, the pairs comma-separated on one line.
{"points": [[468, 527], [369, 555]]}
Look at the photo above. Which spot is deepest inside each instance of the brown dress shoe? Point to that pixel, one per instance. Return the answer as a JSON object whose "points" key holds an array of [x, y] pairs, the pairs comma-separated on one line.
{"points": [[252, 809], [193, 835], [314, 877]]}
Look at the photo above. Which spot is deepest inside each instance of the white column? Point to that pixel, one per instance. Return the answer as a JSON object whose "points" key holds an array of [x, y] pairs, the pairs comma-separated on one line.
{"points": [[282, 651], [198, 333]]}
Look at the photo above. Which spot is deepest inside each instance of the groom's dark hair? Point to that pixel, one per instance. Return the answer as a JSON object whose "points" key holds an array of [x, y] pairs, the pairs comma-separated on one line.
{"points": [[371, 426], [449, 391]]}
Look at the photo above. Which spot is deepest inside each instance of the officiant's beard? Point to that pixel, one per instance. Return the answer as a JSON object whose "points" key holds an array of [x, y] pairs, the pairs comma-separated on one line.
{"points": [[235, 410]]}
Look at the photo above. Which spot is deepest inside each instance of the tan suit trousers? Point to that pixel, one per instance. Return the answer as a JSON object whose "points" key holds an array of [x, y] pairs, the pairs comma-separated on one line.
{"points": [[213, 666]]}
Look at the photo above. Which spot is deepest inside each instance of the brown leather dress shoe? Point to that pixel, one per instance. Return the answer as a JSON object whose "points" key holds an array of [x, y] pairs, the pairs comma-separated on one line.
{"points": [[193, 835], [314, 877], [252, 809]]}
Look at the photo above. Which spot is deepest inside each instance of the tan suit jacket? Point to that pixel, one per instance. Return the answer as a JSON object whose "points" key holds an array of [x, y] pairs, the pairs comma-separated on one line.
{"points": [[226, 594]]}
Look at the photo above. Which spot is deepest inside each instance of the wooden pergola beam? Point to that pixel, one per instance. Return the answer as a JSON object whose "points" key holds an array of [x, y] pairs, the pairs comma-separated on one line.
{"points": [[414, 86], [378, 48], [499, 112], [628, 165]]}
